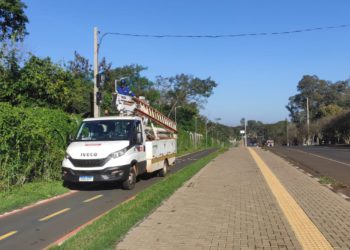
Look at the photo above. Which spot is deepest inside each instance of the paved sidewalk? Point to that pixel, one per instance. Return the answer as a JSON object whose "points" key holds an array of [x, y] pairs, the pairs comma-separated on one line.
{"points": [[227, 205], [328, 211]]}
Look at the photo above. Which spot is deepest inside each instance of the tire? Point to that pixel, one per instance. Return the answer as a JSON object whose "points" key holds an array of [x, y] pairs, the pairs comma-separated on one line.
{"points": [[130, 182], [163, 172]]}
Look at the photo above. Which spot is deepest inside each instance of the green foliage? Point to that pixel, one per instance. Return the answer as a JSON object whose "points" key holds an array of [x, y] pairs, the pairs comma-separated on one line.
{"points": [[329, 110], [259, 132], [276, 132], [9, 74], [183, 90], [337, 129], [32, 143], [12, 20], [50, 82], [328, 105], [80, 67], [41, 83], [321, 94]]}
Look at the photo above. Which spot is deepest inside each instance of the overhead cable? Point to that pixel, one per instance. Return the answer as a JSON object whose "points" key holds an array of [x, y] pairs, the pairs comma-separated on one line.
{"points": [[227, 35]]}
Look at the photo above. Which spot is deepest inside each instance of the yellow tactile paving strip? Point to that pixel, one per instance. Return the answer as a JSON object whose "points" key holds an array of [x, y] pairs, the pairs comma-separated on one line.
{"points": [[306, 232]]}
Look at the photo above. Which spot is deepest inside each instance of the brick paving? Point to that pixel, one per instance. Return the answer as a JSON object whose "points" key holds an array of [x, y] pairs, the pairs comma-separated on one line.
{"points": [[227, 205], [328, 211]]}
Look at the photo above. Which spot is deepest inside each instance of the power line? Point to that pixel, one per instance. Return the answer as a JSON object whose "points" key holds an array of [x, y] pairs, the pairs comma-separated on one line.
{"points": [[227, 35]]}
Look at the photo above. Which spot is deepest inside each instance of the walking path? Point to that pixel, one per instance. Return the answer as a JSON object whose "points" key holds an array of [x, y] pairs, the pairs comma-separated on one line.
{"points": [[246, 199]]}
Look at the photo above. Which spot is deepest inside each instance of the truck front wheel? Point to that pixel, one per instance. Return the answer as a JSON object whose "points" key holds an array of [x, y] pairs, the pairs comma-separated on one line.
{"points": [[130, 182]]}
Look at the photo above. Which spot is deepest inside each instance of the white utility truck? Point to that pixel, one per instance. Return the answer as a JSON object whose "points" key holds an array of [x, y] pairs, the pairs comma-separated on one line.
{"points": [[119, 148]]}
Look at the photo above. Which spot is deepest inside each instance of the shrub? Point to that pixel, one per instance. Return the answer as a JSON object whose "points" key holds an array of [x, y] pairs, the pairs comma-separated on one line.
{"points": [[32, 143]]}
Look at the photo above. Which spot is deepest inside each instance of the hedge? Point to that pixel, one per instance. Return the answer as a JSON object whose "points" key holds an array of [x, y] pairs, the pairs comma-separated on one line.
{"points": [[32, 143]]}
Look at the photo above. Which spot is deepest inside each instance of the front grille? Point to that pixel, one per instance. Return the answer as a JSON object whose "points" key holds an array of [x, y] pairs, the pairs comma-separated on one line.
{"points": [[89, 163], [77, 172]]}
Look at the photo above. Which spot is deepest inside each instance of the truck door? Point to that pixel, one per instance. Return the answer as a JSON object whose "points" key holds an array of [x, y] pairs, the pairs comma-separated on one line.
{"points": [[138, 142]]}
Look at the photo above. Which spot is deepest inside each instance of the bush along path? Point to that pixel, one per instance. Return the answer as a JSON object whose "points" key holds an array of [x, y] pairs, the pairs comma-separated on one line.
{"points": [[32, 144]]}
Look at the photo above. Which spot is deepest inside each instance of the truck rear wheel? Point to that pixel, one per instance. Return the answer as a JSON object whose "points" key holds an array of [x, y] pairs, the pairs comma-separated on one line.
{"points": [[130, 182], [163, 172]]}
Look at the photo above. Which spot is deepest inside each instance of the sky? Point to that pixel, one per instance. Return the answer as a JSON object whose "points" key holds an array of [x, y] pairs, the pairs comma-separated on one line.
{"points": [[255, 74]]}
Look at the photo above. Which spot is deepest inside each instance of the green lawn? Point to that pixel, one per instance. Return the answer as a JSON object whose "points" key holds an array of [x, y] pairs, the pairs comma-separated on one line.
{"points": [[105, 232]]}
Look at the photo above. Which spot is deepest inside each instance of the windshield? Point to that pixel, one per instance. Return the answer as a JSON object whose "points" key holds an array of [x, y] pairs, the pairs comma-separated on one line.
{"points": [[104, 130]]}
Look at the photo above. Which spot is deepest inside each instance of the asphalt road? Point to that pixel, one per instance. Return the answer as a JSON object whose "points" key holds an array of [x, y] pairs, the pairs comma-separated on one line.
{"points": [[42, 225], [332, 162]]}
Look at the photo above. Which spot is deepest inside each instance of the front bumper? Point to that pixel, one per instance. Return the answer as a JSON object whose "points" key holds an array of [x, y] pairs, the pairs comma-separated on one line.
{"points": [[120, 173]]}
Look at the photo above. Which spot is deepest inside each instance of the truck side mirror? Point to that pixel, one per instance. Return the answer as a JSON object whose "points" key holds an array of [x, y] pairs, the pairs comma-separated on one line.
{"points": [[70, 138], [139, 138]]}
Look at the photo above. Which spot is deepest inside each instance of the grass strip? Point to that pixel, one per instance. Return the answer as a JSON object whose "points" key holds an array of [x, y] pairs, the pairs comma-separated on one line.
{"points": [[105, 232], [325, 180], [29, 194]]}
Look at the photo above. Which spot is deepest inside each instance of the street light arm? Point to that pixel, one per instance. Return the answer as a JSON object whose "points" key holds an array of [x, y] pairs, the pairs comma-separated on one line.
{"points": [[101, 39]]}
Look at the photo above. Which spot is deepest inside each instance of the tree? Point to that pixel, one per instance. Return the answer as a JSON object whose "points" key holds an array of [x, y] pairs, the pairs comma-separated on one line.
{"points": [[41, 83], [81, 85], [184, 89], [12, 20], [12, 30], [9, 74], [80, 67], [321, 94]]}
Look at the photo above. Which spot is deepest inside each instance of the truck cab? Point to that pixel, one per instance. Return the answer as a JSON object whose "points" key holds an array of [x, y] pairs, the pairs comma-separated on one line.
{"points": [[106, 149], [117, 149]]}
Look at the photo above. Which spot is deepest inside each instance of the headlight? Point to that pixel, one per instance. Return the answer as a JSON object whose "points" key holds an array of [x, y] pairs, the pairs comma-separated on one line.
{"points": [[118, 153], [66, 156]]}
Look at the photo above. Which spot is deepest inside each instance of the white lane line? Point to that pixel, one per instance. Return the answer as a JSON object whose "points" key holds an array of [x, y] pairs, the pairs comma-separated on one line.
{"points": [[322, 157]]}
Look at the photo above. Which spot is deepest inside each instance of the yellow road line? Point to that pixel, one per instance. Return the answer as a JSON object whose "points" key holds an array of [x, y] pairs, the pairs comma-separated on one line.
{"points": [[54, 214], [2, 237], [94, 198], [306, 232]]}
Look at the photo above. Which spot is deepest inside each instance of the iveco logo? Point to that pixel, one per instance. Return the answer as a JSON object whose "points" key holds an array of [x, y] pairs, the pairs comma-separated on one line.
{"points": [[88, 154]]}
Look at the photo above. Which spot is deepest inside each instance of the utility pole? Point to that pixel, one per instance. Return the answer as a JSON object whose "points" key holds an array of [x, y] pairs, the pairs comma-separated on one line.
{"points": [[245, 132], [287, 132], [175, 112], [96, 107], [307, 120], [217, 126], [195, 132], [206, 133]]}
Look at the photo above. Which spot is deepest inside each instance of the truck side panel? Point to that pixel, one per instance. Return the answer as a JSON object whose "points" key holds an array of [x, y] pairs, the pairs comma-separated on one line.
{"points": [[158, 151]]}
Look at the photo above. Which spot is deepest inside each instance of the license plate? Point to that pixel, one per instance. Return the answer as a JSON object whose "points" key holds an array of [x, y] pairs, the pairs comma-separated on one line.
{"points": [[86, 178]]}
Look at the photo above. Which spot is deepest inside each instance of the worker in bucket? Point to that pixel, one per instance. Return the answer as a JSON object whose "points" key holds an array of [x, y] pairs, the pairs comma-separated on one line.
{"points": [[123, 88]]}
